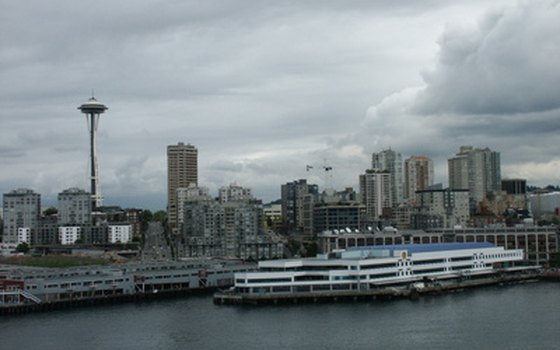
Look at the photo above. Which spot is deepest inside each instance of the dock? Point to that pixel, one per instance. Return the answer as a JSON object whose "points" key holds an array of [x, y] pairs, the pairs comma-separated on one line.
{"points": [[24, 289], [381, 293]]}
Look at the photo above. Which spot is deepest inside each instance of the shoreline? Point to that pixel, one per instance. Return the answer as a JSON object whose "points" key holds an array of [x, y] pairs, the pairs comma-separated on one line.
{"points": [[21, 309]]}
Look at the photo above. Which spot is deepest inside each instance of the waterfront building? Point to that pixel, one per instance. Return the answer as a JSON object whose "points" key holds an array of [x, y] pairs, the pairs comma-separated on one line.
{"points": [[298, 198], [22, 209], [545, 203], [375, 193], [91, 283], [477, 170], [69, 234], [391, 162], [74, 207], [441, 209], [182, 172], [418, 176], [538, 243], [372, 267]]}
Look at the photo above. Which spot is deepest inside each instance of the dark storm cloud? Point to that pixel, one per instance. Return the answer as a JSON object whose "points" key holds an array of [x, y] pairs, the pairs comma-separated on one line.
{"points": [[10, 152], [506, 65], [495, 84]]}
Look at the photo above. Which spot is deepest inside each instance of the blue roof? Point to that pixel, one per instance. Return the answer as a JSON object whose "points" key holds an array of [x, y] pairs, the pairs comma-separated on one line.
{"points": [[423, 248]]}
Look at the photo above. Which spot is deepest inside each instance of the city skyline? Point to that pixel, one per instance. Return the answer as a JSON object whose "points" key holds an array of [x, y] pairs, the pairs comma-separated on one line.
{"points": [[263, 90]]}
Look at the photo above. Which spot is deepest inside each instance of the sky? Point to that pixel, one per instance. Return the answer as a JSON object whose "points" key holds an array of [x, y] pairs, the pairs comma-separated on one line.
{"points": [[264, 88]]}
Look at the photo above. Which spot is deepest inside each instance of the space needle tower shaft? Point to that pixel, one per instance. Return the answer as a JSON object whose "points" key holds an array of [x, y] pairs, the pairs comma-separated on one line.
{"points": [[93, 109]]}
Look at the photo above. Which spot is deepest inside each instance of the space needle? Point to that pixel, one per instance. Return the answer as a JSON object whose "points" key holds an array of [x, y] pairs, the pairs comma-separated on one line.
{"points": [[93, 109]]}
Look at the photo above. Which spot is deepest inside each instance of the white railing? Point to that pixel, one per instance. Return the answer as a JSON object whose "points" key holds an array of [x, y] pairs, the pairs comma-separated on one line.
{"points": [[30, 296]]}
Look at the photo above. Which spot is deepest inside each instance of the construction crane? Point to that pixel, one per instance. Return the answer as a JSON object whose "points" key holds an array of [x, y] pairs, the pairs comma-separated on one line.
{"points": [[327, 169]]}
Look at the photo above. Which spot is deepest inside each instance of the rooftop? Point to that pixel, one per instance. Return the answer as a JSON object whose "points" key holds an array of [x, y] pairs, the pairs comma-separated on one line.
{"points": [[424, 248]]}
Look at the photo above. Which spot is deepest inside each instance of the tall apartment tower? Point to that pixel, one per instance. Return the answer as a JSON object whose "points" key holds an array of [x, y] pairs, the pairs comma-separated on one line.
{"points": [[391, 162], [298, 198], [22, 211], [74, 207], [477, 170], [418, 176], [182, 172], [375, 192]]}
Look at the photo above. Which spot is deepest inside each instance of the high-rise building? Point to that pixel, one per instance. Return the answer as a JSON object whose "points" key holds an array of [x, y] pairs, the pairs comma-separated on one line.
{"points": [[74, 207], [375, 192], [189, 194], [22, 210], [418, 176], [391, 162], [441, 209], [297, 205], [476, 170], [182, 172]]}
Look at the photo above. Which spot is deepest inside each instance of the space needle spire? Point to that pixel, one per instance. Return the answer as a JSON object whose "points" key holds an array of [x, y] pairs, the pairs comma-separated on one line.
{"points": [[93, 109]]}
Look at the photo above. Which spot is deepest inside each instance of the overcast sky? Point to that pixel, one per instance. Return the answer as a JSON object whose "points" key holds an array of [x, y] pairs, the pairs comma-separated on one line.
{"points": [[264, 88]]}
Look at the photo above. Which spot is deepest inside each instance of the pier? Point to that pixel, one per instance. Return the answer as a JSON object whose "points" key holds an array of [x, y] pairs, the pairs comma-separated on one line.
{"points": [[24, 290], [411, 291]]}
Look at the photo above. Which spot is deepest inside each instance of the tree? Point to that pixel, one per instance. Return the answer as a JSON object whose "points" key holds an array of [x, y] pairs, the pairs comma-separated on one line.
{"points": [[311, 249], [145, 217], [22, 248], [554, 260], [160, 216]]}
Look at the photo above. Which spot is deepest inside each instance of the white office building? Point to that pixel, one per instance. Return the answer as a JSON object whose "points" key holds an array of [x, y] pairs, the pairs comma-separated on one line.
{"points": [[69, 234], [24, 235], [120, 233]]}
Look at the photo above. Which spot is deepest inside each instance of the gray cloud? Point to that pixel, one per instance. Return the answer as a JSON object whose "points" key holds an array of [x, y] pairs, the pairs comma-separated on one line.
{"points": [[263, 88], [493, 85], [505, 65]]}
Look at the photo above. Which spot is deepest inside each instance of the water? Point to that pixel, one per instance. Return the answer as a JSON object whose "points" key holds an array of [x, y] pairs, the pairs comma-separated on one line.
{"points": [[516, 317]]}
